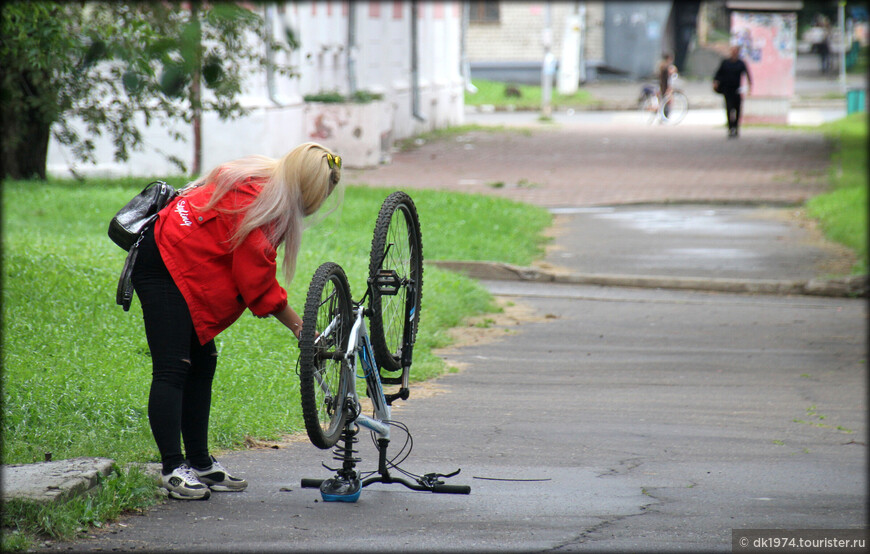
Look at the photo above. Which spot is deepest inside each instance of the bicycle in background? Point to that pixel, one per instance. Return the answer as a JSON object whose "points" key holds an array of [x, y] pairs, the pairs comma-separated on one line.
{"points": [[334, 338], [671, 110]]}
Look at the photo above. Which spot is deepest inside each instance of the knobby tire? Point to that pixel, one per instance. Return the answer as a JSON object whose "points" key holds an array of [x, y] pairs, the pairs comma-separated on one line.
{"points": [[395, 317], [322, 378]]}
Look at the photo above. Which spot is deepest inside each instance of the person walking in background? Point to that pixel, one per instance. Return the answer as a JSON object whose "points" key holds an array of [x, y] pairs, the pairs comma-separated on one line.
{"points": [[727, 82], [667, 72], [210, 255], [824, 45]]}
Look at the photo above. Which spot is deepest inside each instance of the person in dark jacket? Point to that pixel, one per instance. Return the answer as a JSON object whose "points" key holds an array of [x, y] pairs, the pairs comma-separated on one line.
{"points": [[727, 82], [211, 255]]}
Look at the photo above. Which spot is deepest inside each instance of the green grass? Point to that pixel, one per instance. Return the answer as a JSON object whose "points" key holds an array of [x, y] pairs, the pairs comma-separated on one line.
{"points": [[121, 492], [76, 367], [458, 130], [493, 93], [842, 212]]}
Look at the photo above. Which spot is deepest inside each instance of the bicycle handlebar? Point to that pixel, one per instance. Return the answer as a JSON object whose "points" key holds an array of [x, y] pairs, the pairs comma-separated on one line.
{"points": [[438, 488], [452, 489]]}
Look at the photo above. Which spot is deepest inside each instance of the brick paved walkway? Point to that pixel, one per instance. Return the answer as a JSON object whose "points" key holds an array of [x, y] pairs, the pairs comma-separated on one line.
{"points": [[608, 164]]}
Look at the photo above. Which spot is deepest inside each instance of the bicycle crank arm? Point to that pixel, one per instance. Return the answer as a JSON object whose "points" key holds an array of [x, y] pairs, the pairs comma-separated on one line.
{"points": [[403, 394]]}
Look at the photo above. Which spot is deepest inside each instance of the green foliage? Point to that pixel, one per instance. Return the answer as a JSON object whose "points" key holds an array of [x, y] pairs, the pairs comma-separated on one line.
{"points": [[329, 97], [365, 97], [77, 367], [103, 62], [335, 97], [501, 95], [842, 212]]}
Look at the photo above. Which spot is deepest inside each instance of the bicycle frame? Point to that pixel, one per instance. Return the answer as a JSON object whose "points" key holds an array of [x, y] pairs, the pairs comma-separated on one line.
{"points": [[360, 346]]}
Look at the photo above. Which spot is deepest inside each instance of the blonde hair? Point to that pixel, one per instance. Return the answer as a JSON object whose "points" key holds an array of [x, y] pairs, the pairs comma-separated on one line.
{"points": [[295, 186]]}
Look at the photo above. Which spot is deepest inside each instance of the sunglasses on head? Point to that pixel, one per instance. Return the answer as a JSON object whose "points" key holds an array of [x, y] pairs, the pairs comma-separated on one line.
{"points": [[333, 161]]}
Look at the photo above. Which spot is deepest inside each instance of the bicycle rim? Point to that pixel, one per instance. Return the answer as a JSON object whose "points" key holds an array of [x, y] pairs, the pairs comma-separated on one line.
{"points": [[675, 108], [323, 341], [648, 108], [396, 273]]}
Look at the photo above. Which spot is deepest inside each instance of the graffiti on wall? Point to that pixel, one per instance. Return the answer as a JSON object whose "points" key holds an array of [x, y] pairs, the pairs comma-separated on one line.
{"points": [[768, 46]]}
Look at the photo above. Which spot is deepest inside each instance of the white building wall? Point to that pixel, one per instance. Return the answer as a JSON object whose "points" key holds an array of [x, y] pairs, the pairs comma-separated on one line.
{"points": [[277, 122], [517, 35], [594, 46]]}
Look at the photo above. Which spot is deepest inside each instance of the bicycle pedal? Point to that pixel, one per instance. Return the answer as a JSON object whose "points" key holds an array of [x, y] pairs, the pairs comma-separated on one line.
{"points": [[340, 490], [387, 282]]}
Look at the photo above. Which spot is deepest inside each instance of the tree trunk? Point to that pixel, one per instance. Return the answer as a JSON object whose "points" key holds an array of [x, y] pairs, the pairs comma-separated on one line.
{"points": [[24, 153], [25, 138]]}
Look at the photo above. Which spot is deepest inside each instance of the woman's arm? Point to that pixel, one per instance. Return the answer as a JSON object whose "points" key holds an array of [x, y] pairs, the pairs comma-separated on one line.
{"points": [[290, 319]]}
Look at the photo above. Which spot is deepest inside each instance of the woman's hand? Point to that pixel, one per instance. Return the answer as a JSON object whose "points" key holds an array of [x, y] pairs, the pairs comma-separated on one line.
{"points": [[290, 319]]}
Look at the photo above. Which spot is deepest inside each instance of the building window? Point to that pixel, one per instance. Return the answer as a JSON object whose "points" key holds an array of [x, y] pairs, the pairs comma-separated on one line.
{"points": [[484, 11]]}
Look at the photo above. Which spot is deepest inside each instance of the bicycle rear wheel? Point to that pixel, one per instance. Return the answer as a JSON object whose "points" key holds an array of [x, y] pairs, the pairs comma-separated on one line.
{"points": [[675, 107], [648, 105], [396, 282], [323, 342]]}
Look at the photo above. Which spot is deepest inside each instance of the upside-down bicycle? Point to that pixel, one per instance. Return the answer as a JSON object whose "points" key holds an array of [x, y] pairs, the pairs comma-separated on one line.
{"points": [[334, 337]]}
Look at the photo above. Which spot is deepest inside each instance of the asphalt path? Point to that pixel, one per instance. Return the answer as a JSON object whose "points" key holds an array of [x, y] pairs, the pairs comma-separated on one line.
{"points": [[611, 419], [693, 241]]}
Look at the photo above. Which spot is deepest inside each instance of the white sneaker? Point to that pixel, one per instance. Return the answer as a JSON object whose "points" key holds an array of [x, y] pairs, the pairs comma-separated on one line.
{"points": [[183, 484], [219, 479]]}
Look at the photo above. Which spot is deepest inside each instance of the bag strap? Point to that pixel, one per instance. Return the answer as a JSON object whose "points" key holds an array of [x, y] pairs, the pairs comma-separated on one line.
{"points": [[124, 292]]}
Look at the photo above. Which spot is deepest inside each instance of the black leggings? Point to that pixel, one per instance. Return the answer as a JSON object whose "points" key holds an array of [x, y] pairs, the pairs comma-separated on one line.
{"points": [[182, 369], [733, 100]]}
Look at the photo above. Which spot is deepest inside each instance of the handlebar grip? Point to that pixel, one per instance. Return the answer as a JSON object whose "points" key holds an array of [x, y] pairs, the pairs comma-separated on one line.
{"points": [[452, 489], [311, 483]]}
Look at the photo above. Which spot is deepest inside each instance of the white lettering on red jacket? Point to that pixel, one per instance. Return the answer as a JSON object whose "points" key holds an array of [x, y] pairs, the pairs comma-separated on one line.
{"points": [[181, 209]]}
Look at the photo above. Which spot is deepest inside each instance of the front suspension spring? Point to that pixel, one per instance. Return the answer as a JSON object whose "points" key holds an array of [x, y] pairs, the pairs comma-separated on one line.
{"points": [[344, 450]]}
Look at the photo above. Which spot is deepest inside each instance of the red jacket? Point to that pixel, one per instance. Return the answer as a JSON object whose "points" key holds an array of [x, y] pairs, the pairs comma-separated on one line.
{"points": [[217, 282]]}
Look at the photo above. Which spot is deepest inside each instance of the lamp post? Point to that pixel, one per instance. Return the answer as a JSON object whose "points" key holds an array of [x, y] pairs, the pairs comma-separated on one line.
{"points": [[841, 21], [547, 67]]}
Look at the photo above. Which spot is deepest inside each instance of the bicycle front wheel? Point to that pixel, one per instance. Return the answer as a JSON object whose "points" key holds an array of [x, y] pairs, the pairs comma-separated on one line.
{"points": [[648, 105], [674, 108], [323, 343], [396, 277]]}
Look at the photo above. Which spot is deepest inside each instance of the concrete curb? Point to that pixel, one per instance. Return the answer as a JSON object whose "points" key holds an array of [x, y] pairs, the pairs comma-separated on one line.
{"points": [[47, 482], [52, 481], [854, 286], [630, 105]]}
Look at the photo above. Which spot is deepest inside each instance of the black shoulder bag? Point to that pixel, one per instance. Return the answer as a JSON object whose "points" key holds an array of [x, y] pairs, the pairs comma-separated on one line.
{"points": [[128, 227]]}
